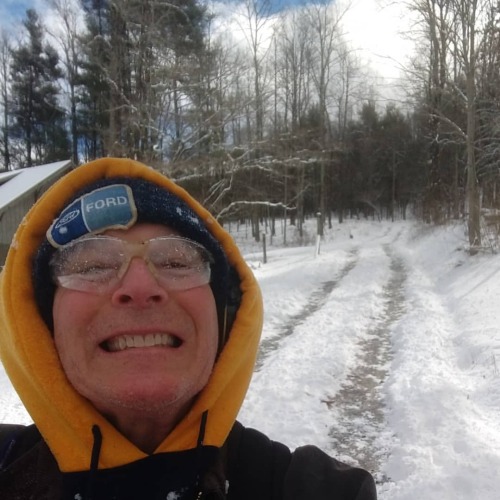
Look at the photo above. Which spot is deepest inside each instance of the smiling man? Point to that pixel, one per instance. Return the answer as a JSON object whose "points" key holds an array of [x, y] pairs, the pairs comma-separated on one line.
{"points": [[129, 327], [141, 341]]}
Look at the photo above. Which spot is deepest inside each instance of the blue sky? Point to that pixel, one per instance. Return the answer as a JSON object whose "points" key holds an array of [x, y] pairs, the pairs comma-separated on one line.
{"points": [[13, 11]]}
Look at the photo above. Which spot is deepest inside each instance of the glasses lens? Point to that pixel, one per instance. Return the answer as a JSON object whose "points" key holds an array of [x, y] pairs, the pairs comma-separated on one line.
{"points": [[179, 263], [98, 263], [90, 264]]}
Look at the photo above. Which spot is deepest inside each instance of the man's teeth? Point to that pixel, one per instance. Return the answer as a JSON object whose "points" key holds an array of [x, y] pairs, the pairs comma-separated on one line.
{"points": [[150, 340]]}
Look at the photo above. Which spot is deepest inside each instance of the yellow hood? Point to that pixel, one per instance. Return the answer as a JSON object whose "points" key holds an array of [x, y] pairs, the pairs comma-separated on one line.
{"points": [[28, 353]]}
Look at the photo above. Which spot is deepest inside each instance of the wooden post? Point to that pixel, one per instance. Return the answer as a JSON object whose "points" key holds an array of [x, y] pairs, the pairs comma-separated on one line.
{"points": [[264, 247]]}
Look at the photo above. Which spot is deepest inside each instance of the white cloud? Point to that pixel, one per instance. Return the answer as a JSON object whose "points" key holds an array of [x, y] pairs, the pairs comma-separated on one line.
{"points": [[378, 32]]}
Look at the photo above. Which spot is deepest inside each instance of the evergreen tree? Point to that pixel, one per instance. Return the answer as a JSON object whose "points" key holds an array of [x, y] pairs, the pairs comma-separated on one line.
{"points": [[139, 76], [95, 95], [39, 120]]}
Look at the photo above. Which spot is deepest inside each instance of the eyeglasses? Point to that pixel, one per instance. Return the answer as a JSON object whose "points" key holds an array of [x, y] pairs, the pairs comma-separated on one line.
{"points": [[97, 264]]}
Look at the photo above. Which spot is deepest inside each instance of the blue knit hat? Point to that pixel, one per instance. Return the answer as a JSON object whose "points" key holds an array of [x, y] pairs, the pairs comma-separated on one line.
{"points": [[119, 203]]}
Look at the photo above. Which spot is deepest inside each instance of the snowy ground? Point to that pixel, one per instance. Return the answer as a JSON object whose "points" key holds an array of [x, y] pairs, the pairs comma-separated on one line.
{"points": [[384, 351]]}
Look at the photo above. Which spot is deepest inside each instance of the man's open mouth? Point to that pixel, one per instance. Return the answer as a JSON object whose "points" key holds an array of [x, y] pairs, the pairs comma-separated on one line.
{"points": [[124, 342]]}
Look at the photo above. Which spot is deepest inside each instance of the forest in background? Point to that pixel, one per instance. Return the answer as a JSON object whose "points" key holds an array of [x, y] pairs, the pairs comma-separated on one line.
{"points": [[261, 114]]}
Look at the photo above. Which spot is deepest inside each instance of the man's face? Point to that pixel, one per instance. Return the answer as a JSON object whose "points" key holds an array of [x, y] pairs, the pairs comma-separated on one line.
{"points": [[91, 330]]}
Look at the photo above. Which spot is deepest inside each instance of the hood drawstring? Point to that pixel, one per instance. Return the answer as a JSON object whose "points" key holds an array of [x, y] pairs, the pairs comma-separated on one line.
{"points": [[199, 445], [96, 451], [94, 460], [201, 433]]}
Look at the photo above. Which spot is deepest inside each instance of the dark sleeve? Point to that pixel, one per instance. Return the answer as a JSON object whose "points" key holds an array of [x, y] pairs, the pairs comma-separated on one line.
{"points": [[13, 437], [256, 465], [313, 474]]}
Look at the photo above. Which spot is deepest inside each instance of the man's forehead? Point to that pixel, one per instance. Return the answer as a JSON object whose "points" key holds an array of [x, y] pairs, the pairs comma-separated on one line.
{"points": [[142, 231]]}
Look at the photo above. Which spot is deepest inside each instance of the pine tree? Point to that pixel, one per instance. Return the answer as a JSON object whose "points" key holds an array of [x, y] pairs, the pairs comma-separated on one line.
{"points": [[95, 95], [39, 120], [138, 74]]}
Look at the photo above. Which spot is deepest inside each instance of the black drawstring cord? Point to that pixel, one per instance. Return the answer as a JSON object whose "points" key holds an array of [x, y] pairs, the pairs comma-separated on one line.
{"points": [[201, 433], [96, 451], [201, 437], [94, 460]]}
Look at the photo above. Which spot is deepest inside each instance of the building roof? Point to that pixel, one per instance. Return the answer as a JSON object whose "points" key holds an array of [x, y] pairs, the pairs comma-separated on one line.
{"points": [[16, 183], [5, 176]]}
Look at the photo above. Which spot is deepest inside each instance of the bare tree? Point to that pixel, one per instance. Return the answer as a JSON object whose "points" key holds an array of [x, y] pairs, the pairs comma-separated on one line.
{"points": [[468, 16], [5, 60], [294, 48], [67, 37], [435, 17], [258, 32], [325, 21]]}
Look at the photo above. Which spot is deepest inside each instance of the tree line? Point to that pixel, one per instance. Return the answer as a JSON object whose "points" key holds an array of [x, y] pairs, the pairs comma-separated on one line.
{"points": [[270, 115]]}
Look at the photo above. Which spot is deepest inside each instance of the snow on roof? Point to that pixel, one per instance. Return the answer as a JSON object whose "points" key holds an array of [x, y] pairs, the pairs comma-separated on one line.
{"points": [[18, 182], [5, 176]]}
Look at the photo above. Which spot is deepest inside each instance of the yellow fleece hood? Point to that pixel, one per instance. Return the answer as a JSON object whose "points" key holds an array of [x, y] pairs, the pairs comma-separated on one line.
{"points": [[27, 350]]}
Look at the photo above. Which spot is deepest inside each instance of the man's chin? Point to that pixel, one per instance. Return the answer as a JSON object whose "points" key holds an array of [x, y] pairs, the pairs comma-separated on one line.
{"points": [[142, 402]]}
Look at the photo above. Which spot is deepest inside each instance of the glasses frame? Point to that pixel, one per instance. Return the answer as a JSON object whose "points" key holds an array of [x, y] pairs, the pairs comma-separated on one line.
{"points": [[131, 250]]}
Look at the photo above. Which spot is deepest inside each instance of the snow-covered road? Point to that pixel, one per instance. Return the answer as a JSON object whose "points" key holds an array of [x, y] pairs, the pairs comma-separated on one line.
{"points": [[383, 350], [371, 355]]}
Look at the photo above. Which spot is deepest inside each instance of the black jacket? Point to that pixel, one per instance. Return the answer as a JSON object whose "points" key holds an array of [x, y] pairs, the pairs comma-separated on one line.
{"points": [[249, 466]]}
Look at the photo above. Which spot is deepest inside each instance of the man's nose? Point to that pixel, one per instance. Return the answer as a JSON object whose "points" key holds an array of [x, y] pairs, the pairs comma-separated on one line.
{"points": [[138, 286]]}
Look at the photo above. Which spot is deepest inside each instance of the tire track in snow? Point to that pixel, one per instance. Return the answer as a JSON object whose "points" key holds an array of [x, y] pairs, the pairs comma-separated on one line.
{"points": [[316, 301], [359, 408]]}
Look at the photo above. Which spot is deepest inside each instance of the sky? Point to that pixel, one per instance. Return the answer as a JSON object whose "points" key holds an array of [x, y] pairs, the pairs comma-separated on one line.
{"points": [[377, 28], [383, 349], [14, 11], [374, 28]]}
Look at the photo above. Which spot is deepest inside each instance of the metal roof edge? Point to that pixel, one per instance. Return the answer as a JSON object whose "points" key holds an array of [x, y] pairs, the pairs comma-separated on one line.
{"points": [[19, 186]]}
